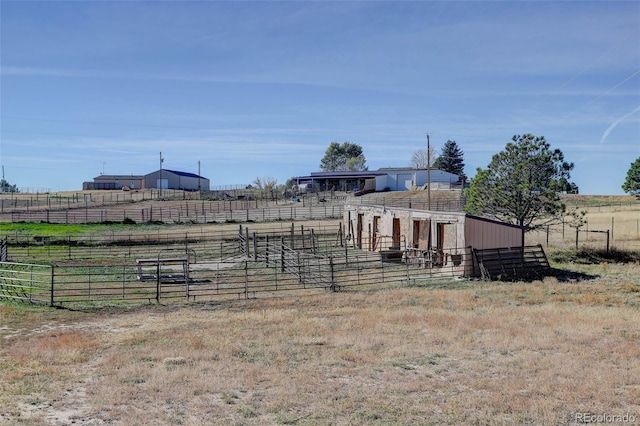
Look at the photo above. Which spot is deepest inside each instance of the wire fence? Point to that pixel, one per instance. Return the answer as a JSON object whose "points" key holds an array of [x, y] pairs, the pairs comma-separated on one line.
{"points": [[602, 231]]}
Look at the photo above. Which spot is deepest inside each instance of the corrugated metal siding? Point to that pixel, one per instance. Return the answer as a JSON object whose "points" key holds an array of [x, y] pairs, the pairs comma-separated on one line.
{"points": [[481, 234]]}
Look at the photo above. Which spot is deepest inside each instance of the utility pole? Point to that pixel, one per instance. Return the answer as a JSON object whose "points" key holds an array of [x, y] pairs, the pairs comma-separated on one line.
{"points": [[160, 185], [428, 173], [199, 188]]}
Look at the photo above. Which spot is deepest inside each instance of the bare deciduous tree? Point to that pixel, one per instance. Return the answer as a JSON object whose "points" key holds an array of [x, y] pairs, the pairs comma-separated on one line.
{"points": [[419, 158]]}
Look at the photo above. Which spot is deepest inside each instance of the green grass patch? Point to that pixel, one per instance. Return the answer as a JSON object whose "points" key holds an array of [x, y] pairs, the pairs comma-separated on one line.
{"points": [[32, 229], [49, 229]]}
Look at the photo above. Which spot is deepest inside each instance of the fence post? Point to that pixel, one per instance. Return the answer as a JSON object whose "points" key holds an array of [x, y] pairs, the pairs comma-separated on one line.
{"points": [[608, 240], [246, 241], [611, 231], [313, 242], [333, 284], [158, 280], [547, 235], [282, 254], [255, 247], [4, 254], [246, 279], [293, 242], [267, 250], [52, 280], [406, 264]]}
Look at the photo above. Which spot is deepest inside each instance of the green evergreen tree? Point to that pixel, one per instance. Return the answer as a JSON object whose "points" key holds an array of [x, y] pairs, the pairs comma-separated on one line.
{"points": [[7, 187], [451, 160], [632, 182], [521, 185]]}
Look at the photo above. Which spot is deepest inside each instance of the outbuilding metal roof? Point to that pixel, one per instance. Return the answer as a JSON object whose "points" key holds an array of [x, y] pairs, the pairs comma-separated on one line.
{"points": [[185, 174]]}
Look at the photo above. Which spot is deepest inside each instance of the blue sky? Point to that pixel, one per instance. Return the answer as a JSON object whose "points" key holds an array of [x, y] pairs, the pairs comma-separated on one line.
{"points": [[260, 89]]}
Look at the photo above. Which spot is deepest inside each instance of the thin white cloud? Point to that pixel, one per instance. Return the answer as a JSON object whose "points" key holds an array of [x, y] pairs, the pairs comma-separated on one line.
{"points": [[616, 123]]}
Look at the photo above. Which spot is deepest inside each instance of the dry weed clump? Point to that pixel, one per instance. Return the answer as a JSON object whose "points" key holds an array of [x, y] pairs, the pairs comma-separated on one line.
{"points": [[487, 353]]}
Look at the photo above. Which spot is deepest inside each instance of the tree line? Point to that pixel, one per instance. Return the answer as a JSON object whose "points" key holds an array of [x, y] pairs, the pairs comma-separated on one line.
{"points": [[521, 185]]}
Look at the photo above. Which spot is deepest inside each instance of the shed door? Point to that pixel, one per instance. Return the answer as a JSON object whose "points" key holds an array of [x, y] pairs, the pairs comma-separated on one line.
{"points": [[396, 234], [421, 234], [446, 237]]}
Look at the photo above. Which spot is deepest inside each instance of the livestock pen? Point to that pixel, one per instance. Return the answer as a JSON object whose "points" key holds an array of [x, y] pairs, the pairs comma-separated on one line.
{"points": [[196, 266]]}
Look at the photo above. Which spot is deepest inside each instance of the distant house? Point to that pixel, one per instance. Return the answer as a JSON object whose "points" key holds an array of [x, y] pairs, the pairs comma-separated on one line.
{"points": [[115, 182], [173, 179], [384, 179]]}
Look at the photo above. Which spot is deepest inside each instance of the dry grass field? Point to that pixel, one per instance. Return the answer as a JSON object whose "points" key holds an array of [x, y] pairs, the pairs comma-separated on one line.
{"points": [[620, 216], [460, 352], [457, 352]]}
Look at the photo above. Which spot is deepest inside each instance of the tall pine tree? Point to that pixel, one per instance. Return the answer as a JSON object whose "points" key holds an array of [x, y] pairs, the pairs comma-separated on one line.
{"points": [[521, 184], [451, 160], [632, 182]]}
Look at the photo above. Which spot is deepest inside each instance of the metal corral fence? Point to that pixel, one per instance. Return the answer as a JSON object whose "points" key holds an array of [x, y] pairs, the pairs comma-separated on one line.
{"points": [[186, 212], [250, 264], [10, 202], [205, 242], [445, 205]]}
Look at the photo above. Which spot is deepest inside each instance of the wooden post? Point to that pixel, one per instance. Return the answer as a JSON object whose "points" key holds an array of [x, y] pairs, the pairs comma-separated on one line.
{"points": [[611, 231], [547, 235]]}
